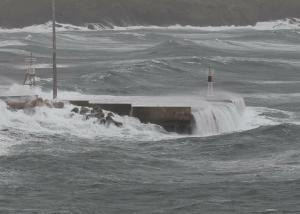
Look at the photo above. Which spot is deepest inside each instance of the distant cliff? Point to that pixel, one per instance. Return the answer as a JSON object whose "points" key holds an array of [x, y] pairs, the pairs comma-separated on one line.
{"points": [[19, 13]]}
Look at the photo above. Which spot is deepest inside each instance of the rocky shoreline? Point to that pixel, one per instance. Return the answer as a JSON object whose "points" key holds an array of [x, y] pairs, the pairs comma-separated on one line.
{"points": [[102, 117]]}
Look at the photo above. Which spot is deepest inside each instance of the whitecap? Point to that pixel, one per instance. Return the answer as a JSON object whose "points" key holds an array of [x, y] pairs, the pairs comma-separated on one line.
{"points": [[283, 24]]}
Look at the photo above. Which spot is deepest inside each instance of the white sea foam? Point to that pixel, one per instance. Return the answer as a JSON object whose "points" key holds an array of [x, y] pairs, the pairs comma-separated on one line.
{"points": [[211, 119], [15, 51], [275, 96], [60, 121], [5, 143], [227, 60], [43, 28], [222, 114], [276, 166], [21, 90], [269, 82], [284, 24], [44, 66], [7, 43]]}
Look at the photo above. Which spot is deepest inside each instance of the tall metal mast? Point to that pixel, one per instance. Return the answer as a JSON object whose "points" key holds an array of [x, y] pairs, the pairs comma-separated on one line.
{"points": [[54, 51]]}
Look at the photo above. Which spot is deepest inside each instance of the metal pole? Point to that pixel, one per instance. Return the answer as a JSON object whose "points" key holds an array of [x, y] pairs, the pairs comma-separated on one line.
{"points": [[54, 51]]}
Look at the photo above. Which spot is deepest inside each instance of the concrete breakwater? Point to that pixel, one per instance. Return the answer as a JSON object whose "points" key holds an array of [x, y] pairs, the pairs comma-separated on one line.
{"points": [[172, 119]]}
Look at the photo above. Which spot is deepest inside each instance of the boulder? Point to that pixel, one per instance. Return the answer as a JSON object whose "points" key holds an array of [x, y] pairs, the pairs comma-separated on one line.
{"points": [[110, 120], [110, 114], [48, 103], [59, 105], [97, 109], [35, 103], [14, 105], [84, 110], [118, 124], [95, 115], [75, 110], [100, 115], [39, 102], [89, 116], [102, 121]]}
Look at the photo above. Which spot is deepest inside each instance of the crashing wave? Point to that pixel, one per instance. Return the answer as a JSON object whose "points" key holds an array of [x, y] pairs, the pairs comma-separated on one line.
{"points": [[224, 113], [283, 24]]}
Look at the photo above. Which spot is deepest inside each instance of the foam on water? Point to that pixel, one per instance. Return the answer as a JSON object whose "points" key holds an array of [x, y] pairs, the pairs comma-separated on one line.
{"points": [[45, 66], [224, 114], [216, 118], [212, 117], [262, 166], [283, 24], [7, 43], [61, 121], [44, 28], [274, 82]]}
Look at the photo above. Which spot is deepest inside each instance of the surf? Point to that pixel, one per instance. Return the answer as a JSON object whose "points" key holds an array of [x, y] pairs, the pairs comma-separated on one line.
{"points": [[211, 117], [282, 24]]}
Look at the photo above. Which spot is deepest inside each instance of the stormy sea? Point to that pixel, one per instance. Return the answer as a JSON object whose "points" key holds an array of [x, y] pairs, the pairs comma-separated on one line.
{"points": [[243, 155]]}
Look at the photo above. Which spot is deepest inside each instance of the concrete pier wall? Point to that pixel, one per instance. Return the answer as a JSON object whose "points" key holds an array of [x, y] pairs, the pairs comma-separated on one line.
{"points": [[120, 109], [84, 103], [172, 119]]}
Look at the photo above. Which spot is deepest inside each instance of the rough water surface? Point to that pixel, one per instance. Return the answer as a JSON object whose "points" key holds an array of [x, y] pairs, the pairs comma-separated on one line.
{"points": [[242, 157]]}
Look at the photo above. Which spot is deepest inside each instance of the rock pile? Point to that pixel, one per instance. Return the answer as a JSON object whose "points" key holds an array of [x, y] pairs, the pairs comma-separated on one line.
{"points": [[98, 114]]}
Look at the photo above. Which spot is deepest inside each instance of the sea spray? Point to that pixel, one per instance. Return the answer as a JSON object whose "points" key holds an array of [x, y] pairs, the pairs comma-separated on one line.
{"points": [[283, 24], [218, 118], [62, 121], [224, 113]]}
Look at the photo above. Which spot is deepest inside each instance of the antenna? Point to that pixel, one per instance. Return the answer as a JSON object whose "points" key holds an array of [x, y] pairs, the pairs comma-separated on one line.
{"points": [[210, 87], [30, 71], [54, 51]]}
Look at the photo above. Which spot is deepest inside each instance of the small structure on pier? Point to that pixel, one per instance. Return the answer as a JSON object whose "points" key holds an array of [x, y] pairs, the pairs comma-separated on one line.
{"points": [[30, 76], [210, 86]]}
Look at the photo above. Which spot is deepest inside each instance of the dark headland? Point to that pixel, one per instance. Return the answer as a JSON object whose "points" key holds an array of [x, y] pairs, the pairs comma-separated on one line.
{"points": [[20, 13]]}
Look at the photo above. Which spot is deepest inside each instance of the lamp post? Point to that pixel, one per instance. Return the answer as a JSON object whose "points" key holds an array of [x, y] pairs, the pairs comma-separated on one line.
{"points": [[54, 50]]}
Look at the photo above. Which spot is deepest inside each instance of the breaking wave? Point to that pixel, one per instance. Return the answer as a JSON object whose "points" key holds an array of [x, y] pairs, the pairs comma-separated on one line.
{"points": [[61, 121], [226, 114], [283, 24], [7, 43], [219, 117]]}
